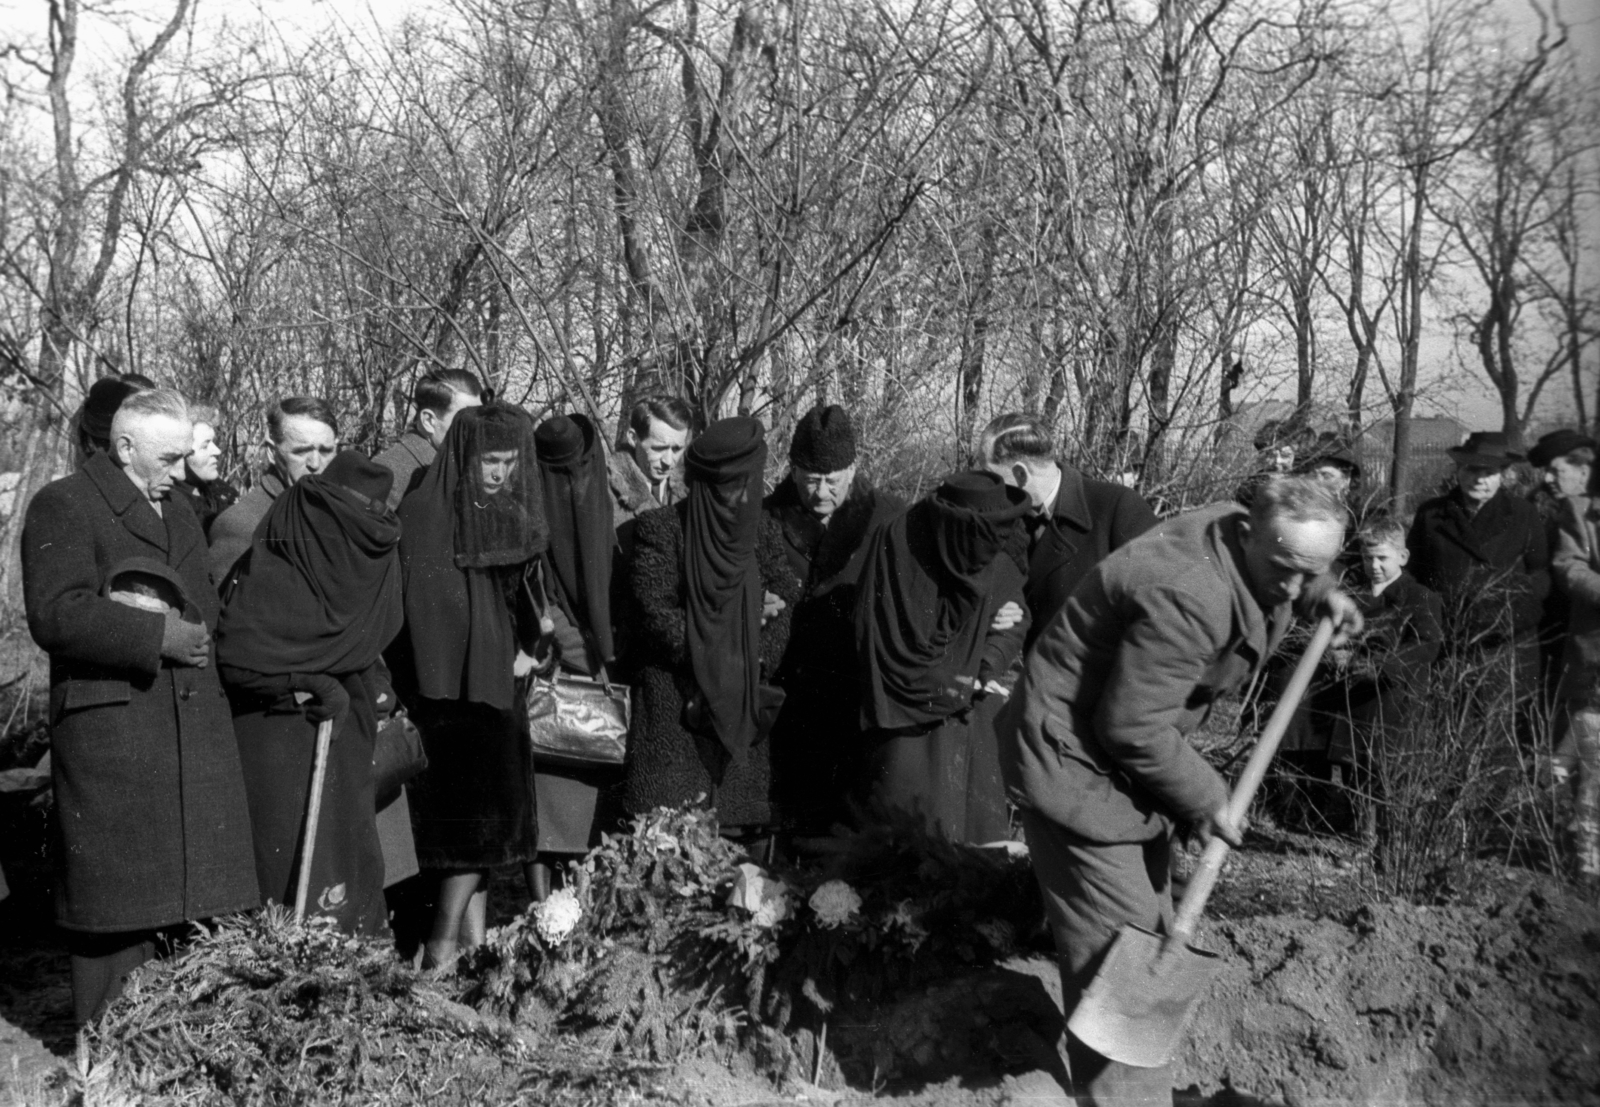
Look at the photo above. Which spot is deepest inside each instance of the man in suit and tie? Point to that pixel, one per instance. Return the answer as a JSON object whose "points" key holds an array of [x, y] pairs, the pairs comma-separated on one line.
{"points": [[1076, 521]]}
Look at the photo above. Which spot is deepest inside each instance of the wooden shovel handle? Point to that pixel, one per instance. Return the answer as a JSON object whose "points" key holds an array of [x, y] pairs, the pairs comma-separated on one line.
{"points": [[319, 775], [1205, 876]]}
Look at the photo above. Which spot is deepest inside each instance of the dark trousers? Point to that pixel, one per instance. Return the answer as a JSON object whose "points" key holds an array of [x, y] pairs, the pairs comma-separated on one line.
{"points": [[1090, 890], [100, 967]]}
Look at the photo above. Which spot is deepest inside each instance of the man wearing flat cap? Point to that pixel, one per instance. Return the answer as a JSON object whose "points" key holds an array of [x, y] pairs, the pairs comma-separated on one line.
{"points": [[826, 512], [1486, 552]]}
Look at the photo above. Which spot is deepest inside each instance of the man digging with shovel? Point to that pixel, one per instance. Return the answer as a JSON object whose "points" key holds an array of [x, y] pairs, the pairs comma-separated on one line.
{"points": [[1094, 745]]}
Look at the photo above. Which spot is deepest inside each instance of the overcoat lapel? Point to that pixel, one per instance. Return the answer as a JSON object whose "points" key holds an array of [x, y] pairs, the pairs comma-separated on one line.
{"points": [[132, 510]]}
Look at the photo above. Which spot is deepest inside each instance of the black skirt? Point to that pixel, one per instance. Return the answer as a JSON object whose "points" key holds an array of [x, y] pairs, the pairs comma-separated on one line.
{"points": [[474, 806], [277, 751]]}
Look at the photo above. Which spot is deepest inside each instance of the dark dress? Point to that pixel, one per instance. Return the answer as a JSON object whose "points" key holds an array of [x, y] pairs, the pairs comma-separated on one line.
{"points": [[465, 556], [668, 765], [816, 742], [928, 596], [577, 572], [317, 601]]}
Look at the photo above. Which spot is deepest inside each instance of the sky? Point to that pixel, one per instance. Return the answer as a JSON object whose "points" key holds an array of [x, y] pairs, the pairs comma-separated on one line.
{"points": [[1469, 397]]}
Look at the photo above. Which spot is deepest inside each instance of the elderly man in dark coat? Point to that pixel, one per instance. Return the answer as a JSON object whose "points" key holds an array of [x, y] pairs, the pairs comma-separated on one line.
{"points": [[1487, 553], [1093, 743], [1075, 521], [826, 513], [154, 828]]}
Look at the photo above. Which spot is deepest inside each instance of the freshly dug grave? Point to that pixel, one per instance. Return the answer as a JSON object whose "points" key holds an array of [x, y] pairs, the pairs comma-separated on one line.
{"points": [[1488, 1003], [1453, 1005]]}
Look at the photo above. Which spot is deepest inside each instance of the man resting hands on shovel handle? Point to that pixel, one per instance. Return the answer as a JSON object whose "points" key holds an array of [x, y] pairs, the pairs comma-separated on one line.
{"points": [[1094, 742]]}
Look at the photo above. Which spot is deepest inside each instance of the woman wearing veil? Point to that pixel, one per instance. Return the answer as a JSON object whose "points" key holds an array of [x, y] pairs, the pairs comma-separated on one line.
{"points": [[577, 576], [299, 643], [711, 587], [472, 531], [932, 667]]}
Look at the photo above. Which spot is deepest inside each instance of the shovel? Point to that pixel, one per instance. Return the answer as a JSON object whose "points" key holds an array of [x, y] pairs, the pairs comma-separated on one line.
{"points": [[1137, 1007], [319, 776]]}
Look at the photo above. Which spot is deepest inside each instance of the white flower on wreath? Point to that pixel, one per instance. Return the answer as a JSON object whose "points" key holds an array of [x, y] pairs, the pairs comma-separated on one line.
{"points": [[766, 899], [835, 903], [557, 917]]}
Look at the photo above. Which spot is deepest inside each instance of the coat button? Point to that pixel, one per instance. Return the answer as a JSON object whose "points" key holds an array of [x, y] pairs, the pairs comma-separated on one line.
{"points": [[185, 694]]}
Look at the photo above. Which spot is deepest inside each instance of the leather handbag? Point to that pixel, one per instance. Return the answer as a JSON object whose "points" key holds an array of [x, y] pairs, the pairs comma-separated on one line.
{"points": [[578, 721]]}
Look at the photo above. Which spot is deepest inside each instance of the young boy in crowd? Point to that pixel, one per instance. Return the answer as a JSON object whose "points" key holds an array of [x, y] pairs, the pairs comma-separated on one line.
{"points": [[1383, 670]]}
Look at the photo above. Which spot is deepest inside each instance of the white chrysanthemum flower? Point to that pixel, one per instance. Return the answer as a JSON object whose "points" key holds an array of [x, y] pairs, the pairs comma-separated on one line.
{"points": [[835, 903], [557, 917]]}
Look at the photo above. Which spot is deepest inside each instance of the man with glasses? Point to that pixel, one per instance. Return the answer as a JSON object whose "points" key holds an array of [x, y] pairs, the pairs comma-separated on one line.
{"points": [[826, 511]]}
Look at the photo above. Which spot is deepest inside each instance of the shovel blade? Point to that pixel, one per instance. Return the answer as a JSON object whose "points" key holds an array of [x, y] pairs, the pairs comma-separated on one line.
{"points": [[1137, 1007]]}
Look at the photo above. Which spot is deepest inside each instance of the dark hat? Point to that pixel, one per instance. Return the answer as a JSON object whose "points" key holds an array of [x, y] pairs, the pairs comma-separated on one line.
{"points": [[100, 407], [357, 472], [983, 492], [1558, 443], [824, 441], [164, 580], [563, 439], [727, 448], [1484, 448], [1330, 449]]}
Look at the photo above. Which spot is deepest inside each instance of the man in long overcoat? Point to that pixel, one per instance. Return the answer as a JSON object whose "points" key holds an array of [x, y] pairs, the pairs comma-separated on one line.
{"points": [[1075, 522], [1486, 552], [1094, 742], [154, 830], [826, 512]]}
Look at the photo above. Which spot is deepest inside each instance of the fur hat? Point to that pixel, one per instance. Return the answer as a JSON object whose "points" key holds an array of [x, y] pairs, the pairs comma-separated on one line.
{"points": [[1558, 444], [824, 441]]}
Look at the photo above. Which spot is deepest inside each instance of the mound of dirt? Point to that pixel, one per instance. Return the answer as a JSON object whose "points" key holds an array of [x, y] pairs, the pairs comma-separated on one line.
{"points": [[1457, 1006]]}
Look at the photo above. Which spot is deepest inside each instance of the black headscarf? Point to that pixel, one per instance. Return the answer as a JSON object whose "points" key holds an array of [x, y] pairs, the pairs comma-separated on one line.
{"points": [[723, 602], [462, 552], [98, 409], [321, 591], [577, 500], [926, 602]]}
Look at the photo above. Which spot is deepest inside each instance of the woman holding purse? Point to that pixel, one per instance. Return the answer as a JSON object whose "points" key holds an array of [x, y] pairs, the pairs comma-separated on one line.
{"points": [[472, 532], [577, 579]]}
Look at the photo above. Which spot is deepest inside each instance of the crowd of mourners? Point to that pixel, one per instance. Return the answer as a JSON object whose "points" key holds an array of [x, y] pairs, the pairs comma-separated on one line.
{"points": [[1021, 653]]}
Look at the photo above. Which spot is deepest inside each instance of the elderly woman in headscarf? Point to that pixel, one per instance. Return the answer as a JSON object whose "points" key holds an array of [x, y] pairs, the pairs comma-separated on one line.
{"points": [[932, 667], [577, 579], [711, 587], [91, 424], [472, 533], [299, 643]]}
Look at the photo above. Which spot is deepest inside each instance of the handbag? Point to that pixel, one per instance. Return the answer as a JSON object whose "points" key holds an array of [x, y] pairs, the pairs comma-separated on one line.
{"points": [[397, 756], [575, 720], [578, 721]]}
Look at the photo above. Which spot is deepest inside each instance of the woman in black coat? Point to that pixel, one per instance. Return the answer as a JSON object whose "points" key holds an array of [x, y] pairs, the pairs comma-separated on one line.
{"points": [[931, 663], [472, 532], [577, 577], [1486, 553], [711, 587], [299, 643]]}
